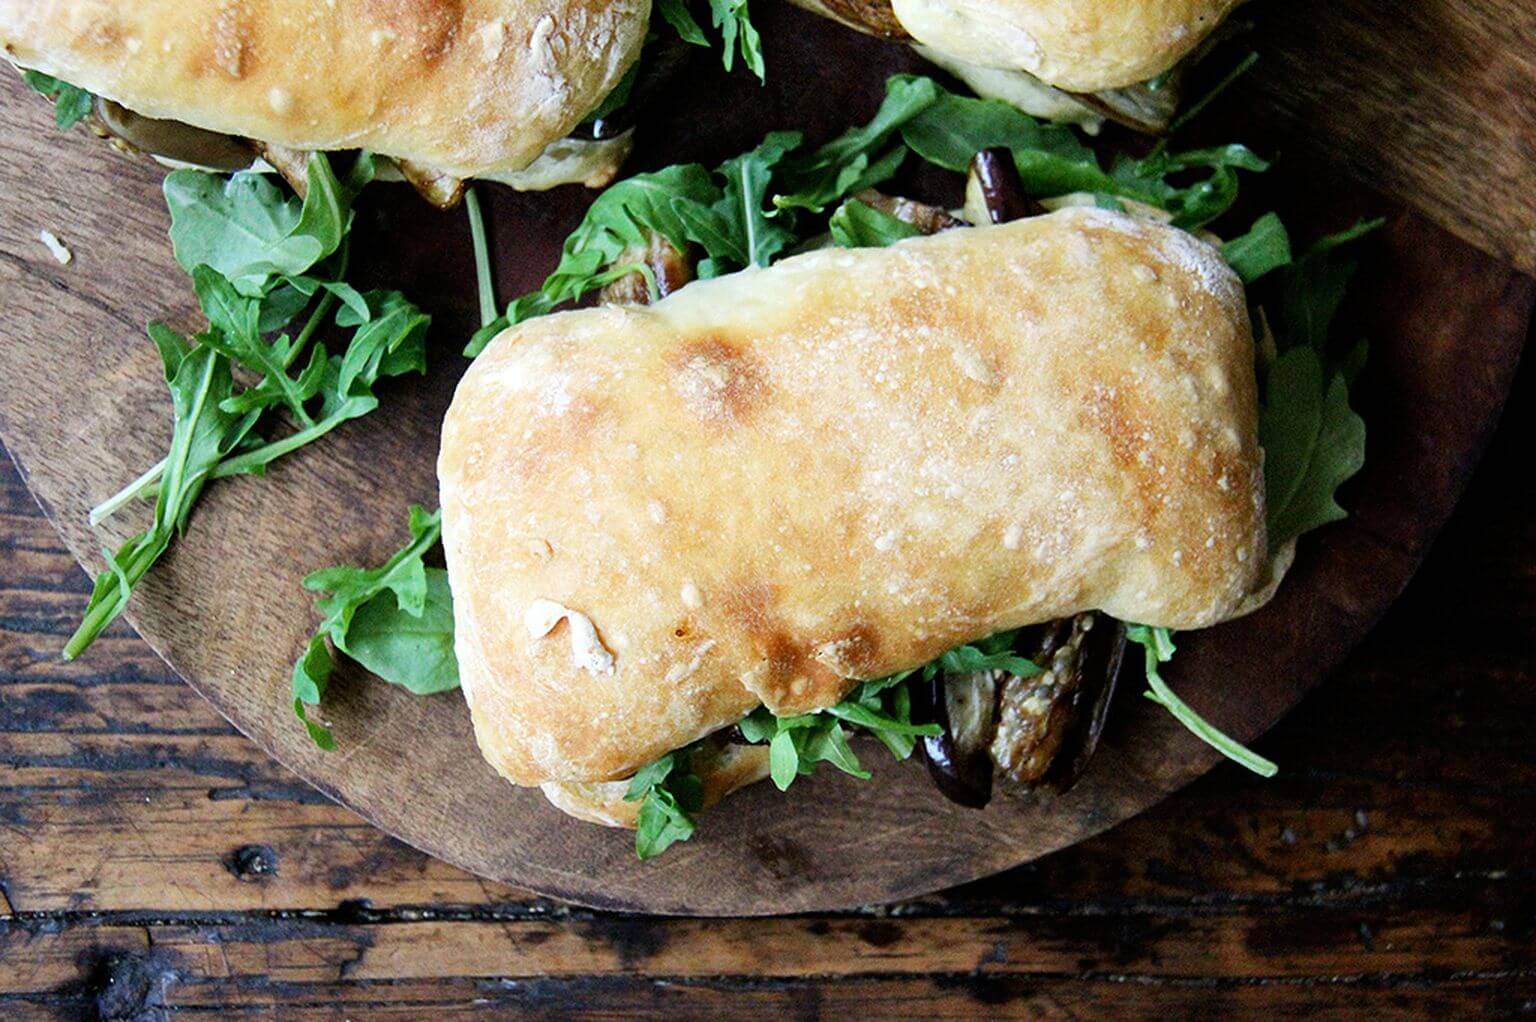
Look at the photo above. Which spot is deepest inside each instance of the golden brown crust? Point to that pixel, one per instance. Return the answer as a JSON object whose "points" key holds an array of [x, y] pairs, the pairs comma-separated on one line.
{"points": [[1077, 45], [723, 771], [839, 467], [466, 87]]}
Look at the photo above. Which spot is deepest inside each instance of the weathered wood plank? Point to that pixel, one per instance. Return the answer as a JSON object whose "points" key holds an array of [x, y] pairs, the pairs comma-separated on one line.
{"points": [[1288, 943], [1340, 998]]}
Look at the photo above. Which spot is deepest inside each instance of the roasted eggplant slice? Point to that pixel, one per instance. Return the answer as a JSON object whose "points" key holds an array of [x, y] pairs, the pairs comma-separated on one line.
{"points": [[1147, 107], [959, 762], [671, 268], [1049, 725], [927, 219], [872, 17], [169, 140], [1101, 659], [1025, 734], [994, 193]]}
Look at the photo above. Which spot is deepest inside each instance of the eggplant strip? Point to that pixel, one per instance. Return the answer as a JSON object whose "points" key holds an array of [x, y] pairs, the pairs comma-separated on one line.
{"points": [[670, 268]]}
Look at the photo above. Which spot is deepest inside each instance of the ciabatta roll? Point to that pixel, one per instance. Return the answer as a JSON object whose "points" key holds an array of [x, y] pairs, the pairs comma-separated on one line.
{"points": [[768, 485]]}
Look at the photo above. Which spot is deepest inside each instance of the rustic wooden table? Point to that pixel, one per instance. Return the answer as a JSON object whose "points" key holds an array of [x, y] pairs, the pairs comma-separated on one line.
{"points": [[152, 861]]}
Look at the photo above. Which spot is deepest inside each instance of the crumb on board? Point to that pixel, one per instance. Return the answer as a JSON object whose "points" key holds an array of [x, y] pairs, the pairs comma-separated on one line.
{"points": [[55, 247]]}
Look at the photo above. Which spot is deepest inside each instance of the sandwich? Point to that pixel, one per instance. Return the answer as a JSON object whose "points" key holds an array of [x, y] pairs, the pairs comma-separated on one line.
{"points": [[448, 91], [1080, 62], [925, 490], [806, 462]]}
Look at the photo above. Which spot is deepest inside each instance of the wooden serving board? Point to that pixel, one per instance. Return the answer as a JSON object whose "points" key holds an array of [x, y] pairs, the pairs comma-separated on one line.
{"points": [[83, 411]]}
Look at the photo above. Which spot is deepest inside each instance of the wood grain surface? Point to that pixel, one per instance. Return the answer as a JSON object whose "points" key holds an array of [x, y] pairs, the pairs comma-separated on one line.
{"points": [[1431, 102], [225, 608], [155, 862]]}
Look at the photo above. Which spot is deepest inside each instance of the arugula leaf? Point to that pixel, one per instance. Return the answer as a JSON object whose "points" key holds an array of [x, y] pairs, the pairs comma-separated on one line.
{"points": [[676, 14], [414, 651], [1158, 644], [199, 381], [214, 434], [969, 659], [71, 104], [620, 218], [669, 793], [484, 283], [736, 230], [235, 323], [246, 230], [953, 129], [390, 342], [1314, 288], [1312, 442], [737, 33], [859, 225], [847, 164], [648, 776], [685, 204], [1193, 205], [1266, 247], [396, 620], [797, 744], [491, 322], [311, 673], [1052, 161]]}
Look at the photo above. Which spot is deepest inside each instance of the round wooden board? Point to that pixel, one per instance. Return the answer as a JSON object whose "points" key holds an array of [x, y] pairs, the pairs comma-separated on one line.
{"points": [[83, 410]]}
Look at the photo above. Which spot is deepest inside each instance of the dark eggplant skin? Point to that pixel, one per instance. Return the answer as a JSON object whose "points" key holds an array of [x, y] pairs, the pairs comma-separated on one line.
{"points": [[1138, 107], [965, 777], [1001, 188], [1102, 662], [1049, 725]]}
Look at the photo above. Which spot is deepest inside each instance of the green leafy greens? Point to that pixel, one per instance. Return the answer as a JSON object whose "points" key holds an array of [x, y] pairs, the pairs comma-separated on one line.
{"points": [[798, 744], [396, 620], [258, 261], [71, 104], [722, 212], [669, 793], [1313, 441], [1158, 646], [752, 209], [859, 225], [732, 19], [1266, 247]]}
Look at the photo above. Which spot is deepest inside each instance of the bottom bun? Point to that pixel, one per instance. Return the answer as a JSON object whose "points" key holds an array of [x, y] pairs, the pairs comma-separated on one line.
{"points": [[721, 766]]}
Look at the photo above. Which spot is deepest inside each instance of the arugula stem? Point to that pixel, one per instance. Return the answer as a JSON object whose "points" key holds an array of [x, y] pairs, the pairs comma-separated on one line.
{"points": [[102, 612], [482, 258], [1203, 729], [1191, 112], [271, 451], [327, 301], [142, 486]]}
